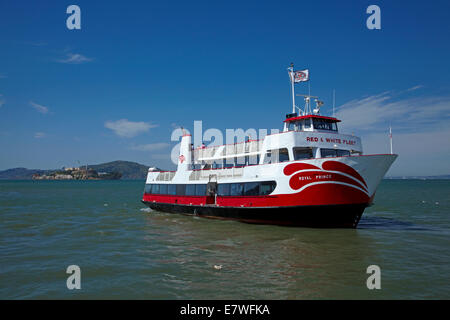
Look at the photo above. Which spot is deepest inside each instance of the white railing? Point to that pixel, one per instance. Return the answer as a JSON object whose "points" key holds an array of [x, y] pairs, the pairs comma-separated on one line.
{"points": [[219, 173], [227, 151], [165, 176]]}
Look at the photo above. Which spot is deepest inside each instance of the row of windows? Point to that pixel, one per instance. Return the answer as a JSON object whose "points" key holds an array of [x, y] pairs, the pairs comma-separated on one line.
{"points": [[228, 163], [246, 189], [272, 156], [301, 153], [330, 153], [277, 155], [176, 189], [223, 189], [319, 124]]}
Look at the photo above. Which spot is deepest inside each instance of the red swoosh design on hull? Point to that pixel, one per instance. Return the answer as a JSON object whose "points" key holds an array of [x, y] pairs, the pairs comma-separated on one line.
{"points": [[301, 179], [306, 175], [294, 167], [339, 166]]}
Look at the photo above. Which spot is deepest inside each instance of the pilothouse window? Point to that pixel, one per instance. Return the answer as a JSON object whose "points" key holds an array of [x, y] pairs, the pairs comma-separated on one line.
{"points": [[323, 124], [307, 124]]}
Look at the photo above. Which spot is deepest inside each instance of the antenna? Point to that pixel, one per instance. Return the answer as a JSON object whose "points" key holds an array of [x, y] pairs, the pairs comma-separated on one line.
{"points": [[334, 100], [307, 98], [390, 137]]}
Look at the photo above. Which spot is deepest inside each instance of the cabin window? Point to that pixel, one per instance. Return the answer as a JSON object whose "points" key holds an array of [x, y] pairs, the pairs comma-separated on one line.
{"points": [[172, 189], [328, 153], [267, 187], [303, 153], [228, 163], [200, 190], [343, 153], [323, 124], [283, 155], [236, 189], [223, 189], [181, 189], [190, 189], [206, 166], [155, 189], [163, 189], [240, 161], [278, 155], [251, 189], [246, 189], [217, 165], [253, 160], [148, 188], [268, 157]]}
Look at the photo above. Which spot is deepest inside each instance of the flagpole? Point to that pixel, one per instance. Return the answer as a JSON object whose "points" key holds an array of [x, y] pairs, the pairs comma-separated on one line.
{"points": [[291, 76]]}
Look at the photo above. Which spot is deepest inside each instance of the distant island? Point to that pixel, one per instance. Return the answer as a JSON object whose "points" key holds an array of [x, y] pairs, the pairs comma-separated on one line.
{"points": [[104, 171], [77, 174]]}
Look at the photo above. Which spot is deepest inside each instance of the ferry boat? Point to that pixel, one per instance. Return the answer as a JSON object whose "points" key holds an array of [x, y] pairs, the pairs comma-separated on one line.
{"points": [[309, 175]]}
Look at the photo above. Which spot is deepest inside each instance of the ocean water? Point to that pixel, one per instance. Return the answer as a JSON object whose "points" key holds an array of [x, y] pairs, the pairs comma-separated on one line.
{"points": [[126, 251]]}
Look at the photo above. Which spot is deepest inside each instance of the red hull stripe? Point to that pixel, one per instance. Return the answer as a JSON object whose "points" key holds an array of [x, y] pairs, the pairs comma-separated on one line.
{"points": [[189, 200], [319, 194]]}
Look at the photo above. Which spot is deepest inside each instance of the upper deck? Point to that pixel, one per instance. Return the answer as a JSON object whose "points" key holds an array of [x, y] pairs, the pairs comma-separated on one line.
{"points": [[306, 135], [311, 135], [316, 143]]}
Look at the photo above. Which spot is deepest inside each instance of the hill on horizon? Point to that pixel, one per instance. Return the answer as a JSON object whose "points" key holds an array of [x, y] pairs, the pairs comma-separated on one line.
{"points": [[128, 169]]}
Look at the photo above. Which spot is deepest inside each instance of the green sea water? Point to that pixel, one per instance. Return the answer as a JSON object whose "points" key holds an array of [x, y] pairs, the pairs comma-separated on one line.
{"points": [[126, 251]]}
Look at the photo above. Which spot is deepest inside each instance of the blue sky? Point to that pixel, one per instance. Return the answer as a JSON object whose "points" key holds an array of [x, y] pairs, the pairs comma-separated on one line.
{"points": [[116, 88]]}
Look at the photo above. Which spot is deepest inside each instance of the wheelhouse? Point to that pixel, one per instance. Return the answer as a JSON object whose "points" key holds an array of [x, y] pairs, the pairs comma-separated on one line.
{"points": [[310, 123]]}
